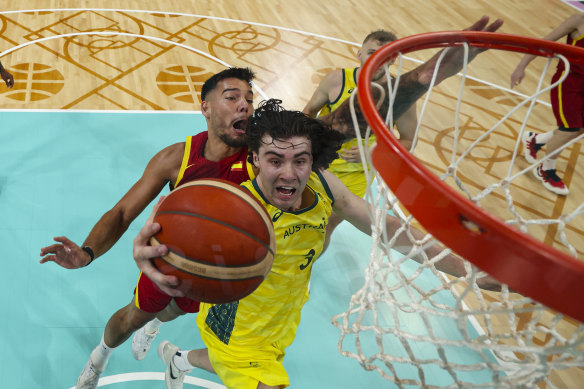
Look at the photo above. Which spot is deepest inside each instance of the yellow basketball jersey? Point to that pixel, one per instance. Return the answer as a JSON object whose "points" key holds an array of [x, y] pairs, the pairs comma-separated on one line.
{"points": [[349, 85], [339, 165], [270, 315]]}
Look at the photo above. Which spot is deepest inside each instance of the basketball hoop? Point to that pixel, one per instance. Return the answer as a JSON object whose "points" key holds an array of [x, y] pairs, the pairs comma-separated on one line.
{"points": [[537, 276]]}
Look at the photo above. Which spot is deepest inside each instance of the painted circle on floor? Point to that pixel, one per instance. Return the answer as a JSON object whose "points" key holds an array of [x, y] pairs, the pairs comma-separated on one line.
{"points": [[153, 376]]}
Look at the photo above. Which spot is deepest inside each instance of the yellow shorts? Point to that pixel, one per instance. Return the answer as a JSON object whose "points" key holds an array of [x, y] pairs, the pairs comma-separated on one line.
{"points": [[244, 368]]}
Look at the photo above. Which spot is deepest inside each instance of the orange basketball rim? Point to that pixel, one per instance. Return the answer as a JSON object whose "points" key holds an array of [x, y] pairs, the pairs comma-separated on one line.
{"points": [[527, 265]]}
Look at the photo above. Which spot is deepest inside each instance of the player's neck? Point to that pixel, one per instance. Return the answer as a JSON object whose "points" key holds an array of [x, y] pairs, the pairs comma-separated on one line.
{"points": [[305, 201], [215, 150]]}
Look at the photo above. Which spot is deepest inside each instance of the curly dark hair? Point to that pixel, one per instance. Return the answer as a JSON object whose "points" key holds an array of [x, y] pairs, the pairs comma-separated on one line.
{"points": [[270, 118], [244, 74]]}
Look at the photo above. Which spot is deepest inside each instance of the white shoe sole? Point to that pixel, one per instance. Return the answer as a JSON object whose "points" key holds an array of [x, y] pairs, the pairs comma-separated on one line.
{"points": [[561, 192]]}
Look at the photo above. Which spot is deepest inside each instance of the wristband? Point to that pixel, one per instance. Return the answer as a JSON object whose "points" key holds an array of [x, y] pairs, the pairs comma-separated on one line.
{"points": [[89, 251]]}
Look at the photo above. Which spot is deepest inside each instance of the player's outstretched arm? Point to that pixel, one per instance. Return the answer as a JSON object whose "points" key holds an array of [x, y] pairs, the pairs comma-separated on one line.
{"points": [[111, 226], [565, 28], [406, 126], [412, 85], [144, 252], [453, 60], [354, 209], [65, 253]]}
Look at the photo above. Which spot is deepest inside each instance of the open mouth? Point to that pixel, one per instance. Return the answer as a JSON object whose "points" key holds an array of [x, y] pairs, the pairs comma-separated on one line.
{"points": [[286, 191], [240, 125]]}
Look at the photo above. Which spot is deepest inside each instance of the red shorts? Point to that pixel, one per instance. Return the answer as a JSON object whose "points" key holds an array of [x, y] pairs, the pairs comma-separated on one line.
{"points": [[568, 100], [149, 298]]}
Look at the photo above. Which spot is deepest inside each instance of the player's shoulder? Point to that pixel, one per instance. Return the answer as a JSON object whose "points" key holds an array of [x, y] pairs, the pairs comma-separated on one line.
{"points": [[166, 163], [332, 79], [174, 148], [171, 155], [336, 74], [334, 184]]}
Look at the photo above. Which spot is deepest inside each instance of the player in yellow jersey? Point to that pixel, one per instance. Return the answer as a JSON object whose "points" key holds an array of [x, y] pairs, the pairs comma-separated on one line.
{"points": [[246, 339], [413, 85], [332, 91], [335, 88]]}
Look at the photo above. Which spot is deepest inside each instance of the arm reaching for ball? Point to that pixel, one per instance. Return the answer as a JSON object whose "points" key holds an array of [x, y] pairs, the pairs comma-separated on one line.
{"points": [[413, 85]]}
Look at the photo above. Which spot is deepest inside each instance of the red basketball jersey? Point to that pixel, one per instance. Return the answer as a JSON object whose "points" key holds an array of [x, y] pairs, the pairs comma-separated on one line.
{"points": [[194, 166]]}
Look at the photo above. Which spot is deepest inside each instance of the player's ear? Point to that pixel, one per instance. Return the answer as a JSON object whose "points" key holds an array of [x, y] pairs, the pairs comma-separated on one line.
{"points": [[359, 55], [205, 109], [256, 160]]}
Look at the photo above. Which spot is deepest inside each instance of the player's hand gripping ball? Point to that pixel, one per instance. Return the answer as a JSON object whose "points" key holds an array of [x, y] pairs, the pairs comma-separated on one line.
{"points": [[221, 240]]}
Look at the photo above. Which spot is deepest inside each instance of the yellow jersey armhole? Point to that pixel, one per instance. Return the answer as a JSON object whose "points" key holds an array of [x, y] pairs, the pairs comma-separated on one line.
{"points": [[185, 160]]}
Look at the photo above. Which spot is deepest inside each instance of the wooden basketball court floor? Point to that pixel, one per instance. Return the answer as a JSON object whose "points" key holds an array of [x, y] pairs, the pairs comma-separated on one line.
{"points": [[88, 111]]}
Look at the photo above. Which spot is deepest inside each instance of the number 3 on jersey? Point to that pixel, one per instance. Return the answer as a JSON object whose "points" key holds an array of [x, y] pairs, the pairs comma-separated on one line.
{"points": [[309, 257]]}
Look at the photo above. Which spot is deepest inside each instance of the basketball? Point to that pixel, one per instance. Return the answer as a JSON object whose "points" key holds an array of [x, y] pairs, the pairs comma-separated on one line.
{"points": [[220, 238]]}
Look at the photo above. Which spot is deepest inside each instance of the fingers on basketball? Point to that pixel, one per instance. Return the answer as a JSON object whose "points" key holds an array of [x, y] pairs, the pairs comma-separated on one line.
{"points": [[221, 240]]}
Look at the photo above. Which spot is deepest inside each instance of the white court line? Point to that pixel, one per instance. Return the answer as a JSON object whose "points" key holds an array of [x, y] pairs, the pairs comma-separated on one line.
{"points": [[573, 5], [145, 376], [183, 14], [153, 376], [241, 21], [117, 33]]}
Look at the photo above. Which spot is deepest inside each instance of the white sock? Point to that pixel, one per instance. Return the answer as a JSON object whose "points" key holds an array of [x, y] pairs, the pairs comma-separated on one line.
{"points": [[544, 138], [152, 326], [549, 164], [100, 355], [181, 361]]}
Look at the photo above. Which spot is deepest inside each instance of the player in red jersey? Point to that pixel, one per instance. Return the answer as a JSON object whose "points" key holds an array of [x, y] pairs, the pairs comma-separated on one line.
{"points": [[567, 104], [219, 152], [227, 104]]}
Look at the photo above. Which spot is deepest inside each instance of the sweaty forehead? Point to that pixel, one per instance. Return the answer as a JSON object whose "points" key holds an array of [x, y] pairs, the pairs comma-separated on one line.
{"points": [[295, 143], [234, 84]]}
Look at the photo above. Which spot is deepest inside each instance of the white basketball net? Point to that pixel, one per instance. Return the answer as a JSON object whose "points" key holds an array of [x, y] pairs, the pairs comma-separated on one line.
{"points": [[418, 327]]}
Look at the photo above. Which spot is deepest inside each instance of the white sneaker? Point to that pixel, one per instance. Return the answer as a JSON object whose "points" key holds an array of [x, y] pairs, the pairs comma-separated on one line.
{"points": [[173, 377], [530, 148], [550, 180], [89, 377], [141, 343]]}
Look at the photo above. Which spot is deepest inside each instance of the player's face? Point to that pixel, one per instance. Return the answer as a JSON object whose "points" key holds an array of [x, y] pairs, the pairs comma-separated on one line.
{"points": [[284, 169], [227, 109], [368, 48]]}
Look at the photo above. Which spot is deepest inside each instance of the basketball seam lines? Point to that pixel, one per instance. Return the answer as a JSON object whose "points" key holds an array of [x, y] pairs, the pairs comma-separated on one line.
{"points": [[266, 246], [208, 277]]}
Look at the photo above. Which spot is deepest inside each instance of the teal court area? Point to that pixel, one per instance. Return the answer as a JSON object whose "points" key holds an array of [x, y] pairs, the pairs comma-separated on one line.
{"points": [[59, 172]]}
